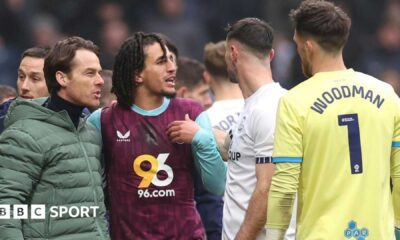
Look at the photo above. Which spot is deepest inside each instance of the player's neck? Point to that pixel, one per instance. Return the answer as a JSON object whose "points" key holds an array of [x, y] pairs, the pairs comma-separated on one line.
{"points": [[328, 63], [226, 91], [148, 102], [252, 78]]}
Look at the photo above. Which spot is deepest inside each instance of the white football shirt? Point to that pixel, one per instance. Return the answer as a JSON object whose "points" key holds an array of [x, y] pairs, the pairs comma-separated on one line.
{"points": [[252, 141], [225, 113]]}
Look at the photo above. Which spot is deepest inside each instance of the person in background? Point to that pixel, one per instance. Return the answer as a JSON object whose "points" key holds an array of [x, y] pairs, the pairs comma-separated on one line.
{"points": [[107, 96], [225, 111], [31, 82], [30, 79], [7, 93], [190, 82]]}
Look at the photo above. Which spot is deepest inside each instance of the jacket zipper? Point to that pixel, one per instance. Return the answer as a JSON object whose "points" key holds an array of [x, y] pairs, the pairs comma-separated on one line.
{"points": [[92, 181]]}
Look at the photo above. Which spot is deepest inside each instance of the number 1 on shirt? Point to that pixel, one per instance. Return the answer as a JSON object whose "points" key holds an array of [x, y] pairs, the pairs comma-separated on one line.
{"points": [[351, 121]]}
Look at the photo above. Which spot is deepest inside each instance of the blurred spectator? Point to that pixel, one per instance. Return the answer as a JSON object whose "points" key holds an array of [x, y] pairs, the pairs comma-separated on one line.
{"points": [[189, 24], [283, 59], [113, 34], [46, 31], [229, 101], [8, 63], [385, 53], [74, 17], [7, 93], [107, 97], [392, 77], [189, 35], [216, 14], [365, 15], [276, 12], [14, 24], [109, 11], [190, 82]]}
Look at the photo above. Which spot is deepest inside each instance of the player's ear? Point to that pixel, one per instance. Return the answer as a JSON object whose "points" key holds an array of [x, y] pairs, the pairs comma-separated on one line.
{"points": [[271, 54], [309, 46], [138, 78], [61, 78], [182, 92], [234, 53], [207, 77]]}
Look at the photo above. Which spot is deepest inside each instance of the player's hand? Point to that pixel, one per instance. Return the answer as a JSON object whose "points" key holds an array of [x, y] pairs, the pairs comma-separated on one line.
{"points": [[182, 131], [223, 143]]}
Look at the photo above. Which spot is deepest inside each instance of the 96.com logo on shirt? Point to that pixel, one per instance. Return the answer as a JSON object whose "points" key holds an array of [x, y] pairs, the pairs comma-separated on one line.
{"points": [[148, 167]]}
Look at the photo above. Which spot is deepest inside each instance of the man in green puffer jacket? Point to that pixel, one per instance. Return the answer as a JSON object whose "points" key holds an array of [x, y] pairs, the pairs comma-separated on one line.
{"points": [[50, 156]]}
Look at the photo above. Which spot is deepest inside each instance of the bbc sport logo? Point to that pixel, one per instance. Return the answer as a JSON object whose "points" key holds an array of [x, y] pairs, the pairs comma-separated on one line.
{"points": [[38, 211]]}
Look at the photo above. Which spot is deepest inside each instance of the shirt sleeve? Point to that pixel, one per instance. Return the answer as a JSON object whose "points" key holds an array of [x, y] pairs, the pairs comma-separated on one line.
{"points": [[208, 161], [288, 155], [288, 135], [395, 165], [95, 119], [282, 195], [262, 126]]}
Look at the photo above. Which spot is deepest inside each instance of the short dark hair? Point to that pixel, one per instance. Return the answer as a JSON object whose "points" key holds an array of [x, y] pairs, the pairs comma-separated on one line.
{"points": [[322, 20], [256, 34], [130, 61], [214, 59], [60, 59], [189, 74], [106, 95], [6, 92], [35, 52]]}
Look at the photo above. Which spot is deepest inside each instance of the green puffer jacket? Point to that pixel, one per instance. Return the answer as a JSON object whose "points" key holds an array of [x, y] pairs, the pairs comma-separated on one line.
{"points": [[44, 159]]}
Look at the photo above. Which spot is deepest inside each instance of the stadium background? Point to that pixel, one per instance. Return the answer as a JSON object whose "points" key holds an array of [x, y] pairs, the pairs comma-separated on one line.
{"points": [[374, 44]]}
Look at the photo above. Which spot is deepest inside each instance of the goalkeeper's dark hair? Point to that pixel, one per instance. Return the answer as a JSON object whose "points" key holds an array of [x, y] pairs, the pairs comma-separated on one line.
{"points": [[129, 62], [324, 21]]}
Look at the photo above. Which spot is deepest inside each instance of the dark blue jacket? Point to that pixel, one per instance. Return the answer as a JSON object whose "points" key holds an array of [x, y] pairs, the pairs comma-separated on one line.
{"points": [[210, 208], [3, 111]]}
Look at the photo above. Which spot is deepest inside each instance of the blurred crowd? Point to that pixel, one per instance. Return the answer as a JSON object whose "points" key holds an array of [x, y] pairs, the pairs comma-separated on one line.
{"points": [[374, 44]]}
